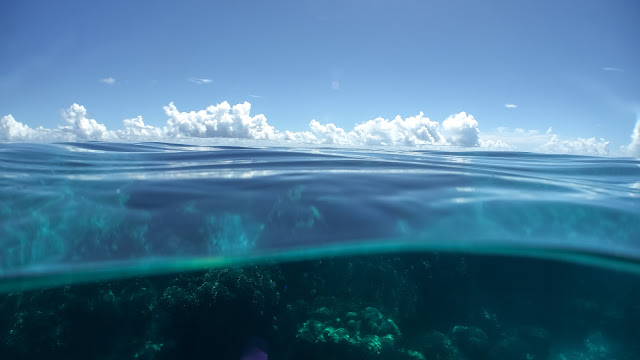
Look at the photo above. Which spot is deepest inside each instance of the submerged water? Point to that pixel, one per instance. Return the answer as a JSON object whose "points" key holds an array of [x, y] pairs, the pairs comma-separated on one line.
{"points": [[480, 253]]}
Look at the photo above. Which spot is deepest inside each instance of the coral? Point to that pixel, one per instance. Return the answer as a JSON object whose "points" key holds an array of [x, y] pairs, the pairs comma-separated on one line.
{"points": [[364, 334], [381, 307], [434, 345], [472, 341]]}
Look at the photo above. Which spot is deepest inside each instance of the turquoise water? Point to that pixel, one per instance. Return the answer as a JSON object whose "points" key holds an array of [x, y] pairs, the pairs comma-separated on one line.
{"points": [[85, 211], [174, 251]]}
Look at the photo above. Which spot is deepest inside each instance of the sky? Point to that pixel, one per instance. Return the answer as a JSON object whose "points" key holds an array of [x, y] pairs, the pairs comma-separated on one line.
{"points": [[556, 76]]}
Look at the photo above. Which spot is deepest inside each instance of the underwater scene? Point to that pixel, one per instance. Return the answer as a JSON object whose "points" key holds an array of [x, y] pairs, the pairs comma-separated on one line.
{"points": [[189, 251]]}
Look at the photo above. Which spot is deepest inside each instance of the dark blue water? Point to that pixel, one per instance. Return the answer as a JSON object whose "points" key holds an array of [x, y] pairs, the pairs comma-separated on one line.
{"points": [[78, 211]]}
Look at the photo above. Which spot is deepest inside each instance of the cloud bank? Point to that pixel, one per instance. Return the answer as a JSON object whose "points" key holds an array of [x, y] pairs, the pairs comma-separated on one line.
{"points": [[416, 130], [546, 142], [591, 146], [78, 128], [226, 121]]}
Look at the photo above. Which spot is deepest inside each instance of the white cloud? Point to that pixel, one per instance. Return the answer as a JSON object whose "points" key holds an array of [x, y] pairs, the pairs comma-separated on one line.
{"points": [[226, 121], [136, 129], [304, 137], [12, 130], [591, 146], [461, 129], [83, 128], [220, 120], [199, 81], [611, 69], [634, 147], [547, 142], [80, 128], [510, 106], [108, 81], [496, 145], [328, 134], [415, 130]]}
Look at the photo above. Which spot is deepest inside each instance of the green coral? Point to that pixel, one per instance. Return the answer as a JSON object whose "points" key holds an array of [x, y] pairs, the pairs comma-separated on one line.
{"points": [[368, 332]]}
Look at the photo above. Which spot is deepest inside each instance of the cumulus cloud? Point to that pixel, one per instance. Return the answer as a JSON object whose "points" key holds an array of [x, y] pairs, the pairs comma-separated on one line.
{"points": [[416, 130], [226, 121], [83, 128], [328, 134], [510, 106], [136, 129], [13, 130], [461, 129], [220, 120], [634, 147], [79, 128], [108, 81], [199, 81], [304, 137]]}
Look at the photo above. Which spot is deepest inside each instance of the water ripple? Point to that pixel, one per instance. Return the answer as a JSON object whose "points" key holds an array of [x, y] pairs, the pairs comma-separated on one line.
{"points": [[74, 209]]}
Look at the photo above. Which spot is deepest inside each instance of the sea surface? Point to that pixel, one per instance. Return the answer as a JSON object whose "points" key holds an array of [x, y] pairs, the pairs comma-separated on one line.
{"points": [[180, 251]]}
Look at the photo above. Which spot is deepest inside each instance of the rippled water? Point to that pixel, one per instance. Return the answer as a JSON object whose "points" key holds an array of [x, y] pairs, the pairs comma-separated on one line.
{"points": [[78, 211]]}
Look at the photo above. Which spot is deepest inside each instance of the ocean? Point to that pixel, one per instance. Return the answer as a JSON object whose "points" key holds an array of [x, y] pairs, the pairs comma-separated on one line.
{"points": [[248, 252]]}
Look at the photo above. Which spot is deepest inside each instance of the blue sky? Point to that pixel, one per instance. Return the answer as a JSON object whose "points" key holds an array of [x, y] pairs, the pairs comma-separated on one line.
{"points": [[569, 65]]}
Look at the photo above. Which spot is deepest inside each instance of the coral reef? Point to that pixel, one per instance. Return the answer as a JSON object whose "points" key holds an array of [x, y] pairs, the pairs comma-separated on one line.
{"points": [[407, 307]]}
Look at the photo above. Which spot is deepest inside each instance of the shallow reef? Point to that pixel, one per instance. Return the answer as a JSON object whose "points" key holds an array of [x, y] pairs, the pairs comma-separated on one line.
{"points": [[425, 306]]}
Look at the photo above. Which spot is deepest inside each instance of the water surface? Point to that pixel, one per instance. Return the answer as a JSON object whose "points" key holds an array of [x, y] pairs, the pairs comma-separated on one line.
{"points": [[79, 211]]}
